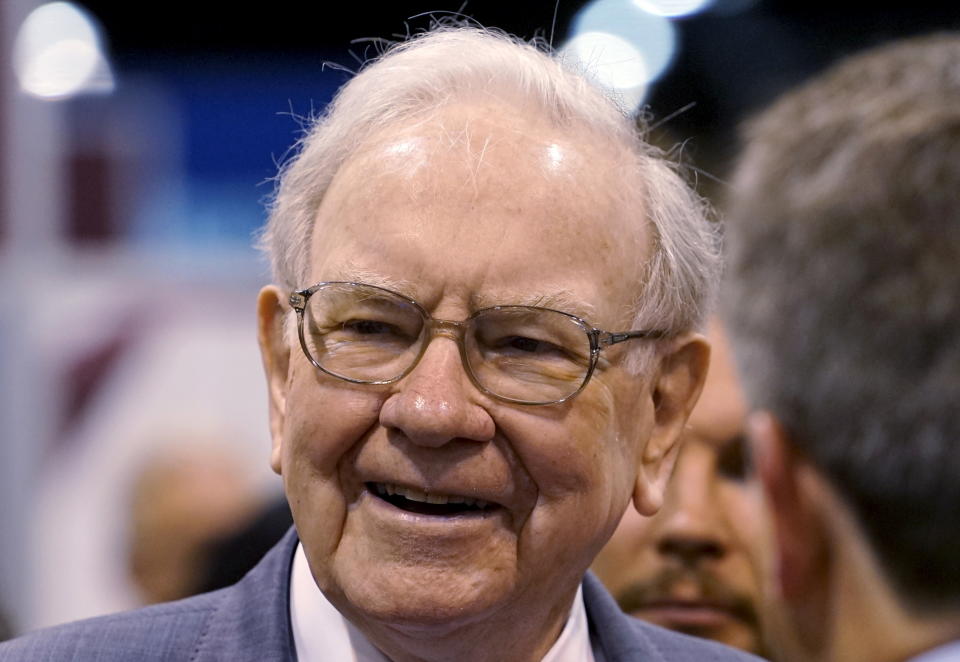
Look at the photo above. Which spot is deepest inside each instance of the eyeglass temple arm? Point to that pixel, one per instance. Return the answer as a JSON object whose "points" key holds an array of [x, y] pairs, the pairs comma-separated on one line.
{"points": [[298, 299], [605, 338]]}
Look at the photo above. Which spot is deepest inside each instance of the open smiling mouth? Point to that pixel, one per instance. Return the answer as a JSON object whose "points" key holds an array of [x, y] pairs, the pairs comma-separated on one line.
{"points": [[421, 503]]}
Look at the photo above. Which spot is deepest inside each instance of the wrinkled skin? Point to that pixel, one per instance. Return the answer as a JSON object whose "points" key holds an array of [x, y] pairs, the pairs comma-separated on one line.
{"points": [[473, 207]]}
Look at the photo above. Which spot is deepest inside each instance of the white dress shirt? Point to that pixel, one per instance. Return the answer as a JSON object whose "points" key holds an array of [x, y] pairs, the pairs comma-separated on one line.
{"points": [[321, 634], [946, 653]]}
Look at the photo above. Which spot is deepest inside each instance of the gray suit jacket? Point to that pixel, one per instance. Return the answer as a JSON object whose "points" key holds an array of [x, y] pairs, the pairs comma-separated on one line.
{"points": [[250, 622]]}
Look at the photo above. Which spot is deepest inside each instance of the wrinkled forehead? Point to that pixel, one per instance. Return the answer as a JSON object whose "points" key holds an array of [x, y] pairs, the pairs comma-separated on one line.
{"points": [[483, 136], [494, 204], [499, 163]]}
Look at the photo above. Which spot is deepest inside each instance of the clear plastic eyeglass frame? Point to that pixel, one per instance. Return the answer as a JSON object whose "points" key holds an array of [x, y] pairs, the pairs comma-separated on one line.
{"points": [[456, 330]]}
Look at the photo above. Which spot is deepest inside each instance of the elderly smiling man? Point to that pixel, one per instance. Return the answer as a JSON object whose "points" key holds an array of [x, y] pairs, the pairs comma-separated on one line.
{"points": [[479, 348]]}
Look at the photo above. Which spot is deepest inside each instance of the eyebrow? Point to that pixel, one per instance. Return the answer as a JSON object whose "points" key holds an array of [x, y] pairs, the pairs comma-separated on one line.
{"points": [[398, 285], [562, 300]]}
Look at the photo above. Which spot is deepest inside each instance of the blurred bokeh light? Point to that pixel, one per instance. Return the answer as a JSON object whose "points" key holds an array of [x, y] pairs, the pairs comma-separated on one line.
{"points": [[621, 46], [673, 8], [613, 62], [58, 53]]}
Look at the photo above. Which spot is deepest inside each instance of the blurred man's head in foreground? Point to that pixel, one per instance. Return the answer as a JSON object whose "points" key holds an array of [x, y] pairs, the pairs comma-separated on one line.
{"points": [[842, 301], [694, 566]]}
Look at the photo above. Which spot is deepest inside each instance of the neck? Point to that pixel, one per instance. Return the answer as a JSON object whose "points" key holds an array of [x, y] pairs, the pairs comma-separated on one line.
{"points": [[869, 622], [874, 626]]}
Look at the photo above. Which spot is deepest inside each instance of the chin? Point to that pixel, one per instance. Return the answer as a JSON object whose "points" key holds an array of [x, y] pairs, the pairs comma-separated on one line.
{"points": [[421, 597]]}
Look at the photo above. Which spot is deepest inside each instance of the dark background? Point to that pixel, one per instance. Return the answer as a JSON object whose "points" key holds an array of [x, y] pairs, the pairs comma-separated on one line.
{"points": [[729, 63]]}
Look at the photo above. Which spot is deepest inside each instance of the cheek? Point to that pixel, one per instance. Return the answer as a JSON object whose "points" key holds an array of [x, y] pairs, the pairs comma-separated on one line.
{"points": [[617, 426], [578, 460], [633, 533], [323, 423], [569, 455], [745, 509], [746, 516]]}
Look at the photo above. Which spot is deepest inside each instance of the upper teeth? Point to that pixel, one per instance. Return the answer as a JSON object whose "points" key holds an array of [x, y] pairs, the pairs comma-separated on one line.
{"points": [[416, 495]]}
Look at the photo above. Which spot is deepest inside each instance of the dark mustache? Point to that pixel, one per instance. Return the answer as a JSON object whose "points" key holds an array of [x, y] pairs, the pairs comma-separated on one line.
{"points": [[711, 590]]}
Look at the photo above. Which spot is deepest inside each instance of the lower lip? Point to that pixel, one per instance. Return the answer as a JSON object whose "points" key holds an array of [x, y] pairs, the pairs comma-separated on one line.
{"points": [[382, 508], [678, 617]]}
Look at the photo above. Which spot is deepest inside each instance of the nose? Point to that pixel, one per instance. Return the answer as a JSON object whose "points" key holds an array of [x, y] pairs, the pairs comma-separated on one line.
{"points": [[436, 403], [694, 528]]}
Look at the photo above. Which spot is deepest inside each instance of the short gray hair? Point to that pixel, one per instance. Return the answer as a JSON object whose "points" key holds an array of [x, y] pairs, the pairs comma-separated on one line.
{"points": [[843, 239], [453, 63]]}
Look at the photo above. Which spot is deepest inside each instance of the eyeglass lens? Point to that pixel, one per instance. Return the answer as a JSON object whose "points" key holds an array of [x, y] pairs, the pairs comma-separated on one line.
{"points": [[366, 334]]}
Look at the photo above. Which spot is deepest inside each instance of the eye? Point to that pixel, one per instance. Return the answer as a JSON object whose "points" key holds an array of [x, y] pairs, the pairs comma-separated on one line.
{"points": [[369, 327], [733, 461], [530, 336], [527, 345]]}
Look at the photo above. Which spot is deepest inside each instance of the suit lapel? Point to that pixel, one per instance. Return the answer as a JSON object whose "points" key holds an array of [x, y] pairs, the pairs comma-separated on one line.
{"points": [[252, 619], [614, 636]]}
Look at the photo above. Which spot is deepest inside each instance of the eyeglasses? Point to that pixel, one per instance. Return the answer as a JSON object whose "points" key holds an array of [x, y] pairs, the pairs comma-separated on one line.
{"points": [[526, 355]]}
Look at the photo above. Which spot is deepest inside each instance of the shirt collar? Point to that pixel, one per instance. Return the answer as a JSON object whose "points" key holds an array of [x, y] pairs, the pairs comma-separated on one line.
{"points": [[321, 633]]}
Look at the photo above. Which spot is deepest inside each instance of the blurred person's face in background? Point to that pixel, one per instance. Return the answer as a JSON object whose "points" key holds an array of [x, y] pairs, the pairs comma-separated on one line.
{"points": [[184, 498], [694, 567]]}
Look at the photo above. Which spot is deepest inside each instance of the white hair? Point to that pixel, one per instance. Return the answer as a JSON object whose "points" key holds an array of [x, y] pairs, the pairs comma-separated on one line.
{"points": [[455, 63]]}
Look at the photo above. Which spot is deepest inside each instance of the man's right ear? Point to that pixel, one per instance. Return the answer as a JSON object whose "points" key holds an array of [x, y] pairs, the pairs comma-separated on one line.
{"points": [[275, 352], [801, 552]]}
